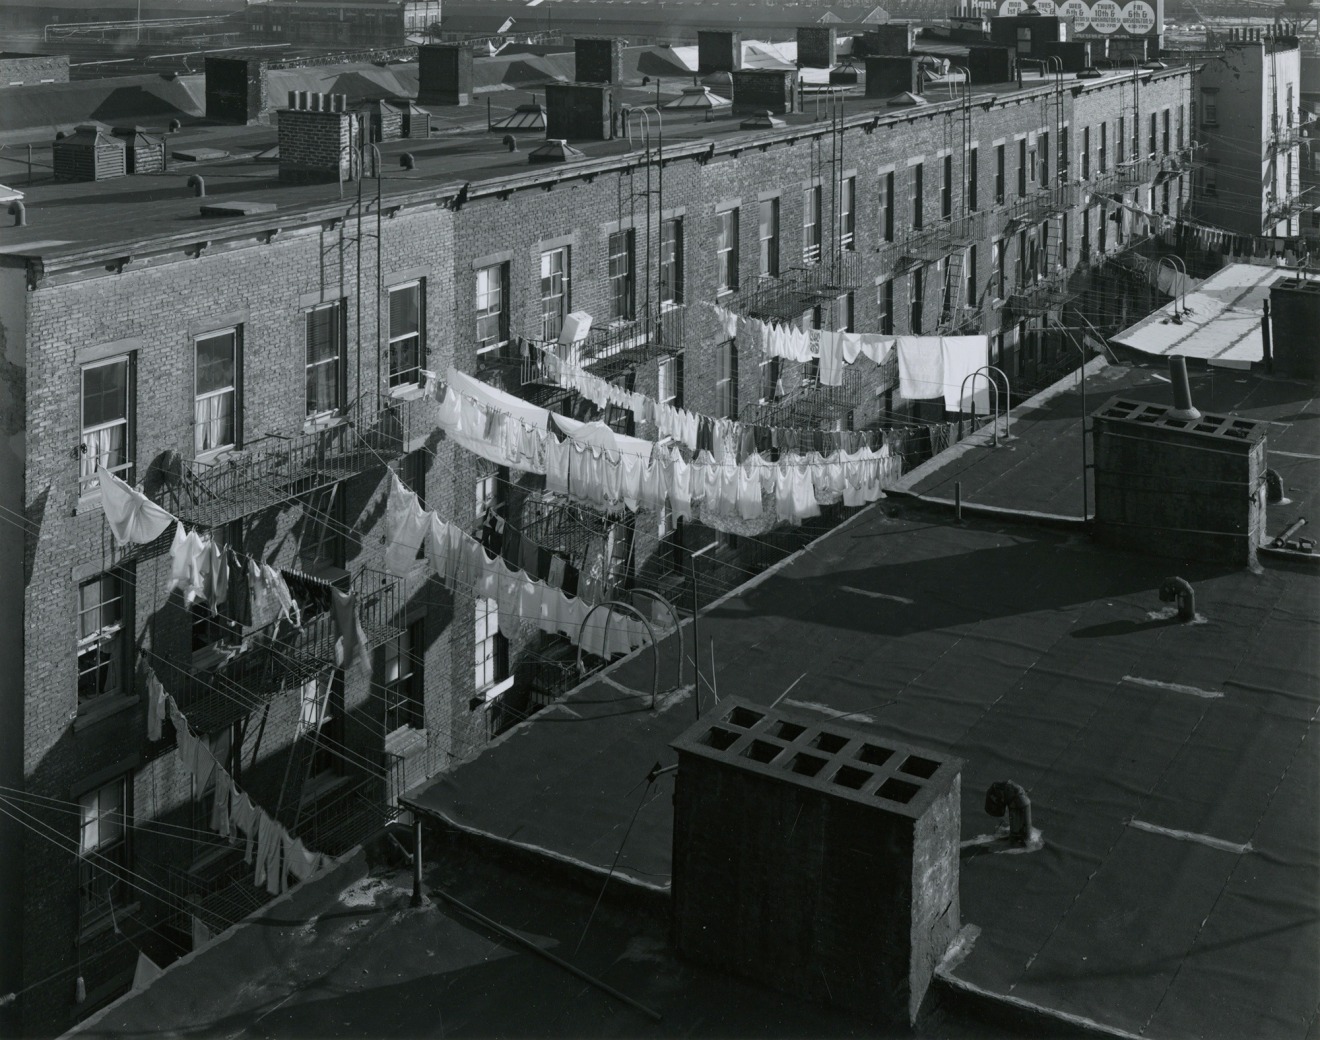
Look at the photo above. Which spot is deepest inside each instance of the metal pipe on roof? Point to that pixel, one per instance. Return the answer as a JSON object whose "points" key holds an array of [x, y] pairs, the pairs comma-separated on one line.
{"points": [[19, 212]]}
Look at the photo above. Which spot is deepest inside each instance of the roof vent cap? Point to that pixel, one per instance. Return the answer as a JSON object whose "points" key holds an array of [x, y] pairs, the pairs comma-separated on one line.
{"points": [[555, 150]]}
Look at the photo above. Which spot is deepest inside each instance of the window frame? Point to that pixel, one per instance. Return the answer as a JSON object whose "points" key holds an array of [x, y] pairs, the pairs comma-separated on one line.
{"points": [[884, 298], [490, 647], [418, 335], [235, 332], [726, 379], [767, 232], [848, 214], [917, 191], [111, 643], [556, 285], [669, 369], [337, 359], [726, 250], [916, 301], [671, 266], [324, 541], [1001, 174], [405, 690], [972, 161], [812, 244], [621, 274], [89, 458], [886, 203], [485, 310], [106, 861], [946, 188]]}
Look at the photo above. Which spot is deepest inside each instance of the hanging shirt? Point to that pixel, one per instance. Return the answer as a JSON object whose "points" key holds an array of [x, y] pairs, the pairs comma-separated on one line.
{"points": [[131, 515], [405, 528], [243, 817]]}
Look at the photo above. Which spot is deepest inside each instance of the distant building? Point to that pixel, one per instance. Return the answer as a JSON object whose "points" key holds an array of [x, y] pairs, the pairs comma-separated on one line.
{"points": [[343, 22]]}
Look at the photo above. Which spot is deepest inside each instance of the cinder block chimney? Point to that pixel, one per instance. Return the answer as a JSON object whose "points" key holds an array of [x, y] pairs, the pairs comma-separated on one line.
{"points": [[1173, 481], [444, 74], [317, 138], [816, 858], [1294, 318]]}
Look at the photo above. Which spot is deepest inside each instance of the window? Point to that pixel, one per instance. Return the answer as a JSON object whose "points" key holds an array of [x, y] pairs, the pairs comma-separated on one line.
{"points": [[406, 335], [770, 376], [1044, 159], [1086, 152], [1182, 121], [971, 276], [811, 225], [622, 276], [887, 206], [726, 380], [1289, 113], [1102, 159], [215, 391], [999, 173], [102, 641], [1121, 139], [487, 495], [107, 419], [946, 187], [492, 309], [916, 186], [403, 678], [726, 251], [1086, 234], [669, 381], [972, 160], [324, 524], [554, 292], [490, 656], [1022, 167], [1154, 135], [219, 621], [916, 299], [1063, 158], [843, 313], [103, 858], [997, 267], [325, 358], [671, 263], [768, 233], [885, 304], [848, 213], [1166, 131]]}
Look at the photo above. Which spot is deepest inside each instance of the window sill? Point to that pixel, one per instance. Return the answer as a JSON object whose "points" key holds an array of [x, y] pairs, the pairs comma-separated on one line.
{"points": [[101, 709], [210, 458], [104, 921], [405, 742], [323, 422], [407, 392], [88, 501], [487, 694]]}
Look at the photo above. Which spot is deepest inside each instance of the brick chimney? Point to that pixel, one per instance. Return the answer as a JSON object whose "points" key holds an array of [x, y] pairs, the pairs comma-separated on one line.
{"points": [[317, 135], [444, 74], [578, 111], [764, 90], [718, 51], [889, 75], [598, 59], [237, 89], [1294, 317], [817, 47]]}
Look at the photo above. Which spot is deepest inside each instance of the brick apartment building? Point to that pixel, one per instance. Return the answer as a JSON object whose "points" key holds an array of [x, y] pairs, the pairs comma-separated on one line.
{"points": [[260, 374], [342, 23]]}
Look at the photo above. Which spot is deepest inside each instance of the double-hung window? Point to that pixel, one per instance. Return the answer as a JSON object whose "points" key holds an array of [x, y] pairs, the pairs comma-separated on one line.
{"points": [[916, 299], [946, 187], [768, 235], [669, 381], [554, 292], [671, 262], [848, 213], [1086, 152], [811, 225], [885, 302], [490, 648], [325, 359], [216, 359], [492, 307], [103, 852], [1000, 172], [621, 275], [103, 637], [107, 419], [726, 251], [886, 199], [972, 160], [918, 202], [403, 678], [406, 310], [1024, 171], [726, 380]]}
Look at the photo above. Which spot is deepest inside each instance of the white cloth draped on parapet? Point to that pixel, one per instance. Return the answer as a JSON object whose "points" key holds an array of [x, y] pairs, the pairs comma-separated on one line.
{"points": [[639, 474]]}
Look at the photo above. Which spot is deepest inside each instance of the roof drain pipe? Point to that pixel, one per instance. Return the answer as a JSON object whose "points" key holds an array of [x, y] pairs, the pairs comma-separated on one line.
{"points": [[1006, 795], [198, 186], [1182, 389], [1181, 590]]}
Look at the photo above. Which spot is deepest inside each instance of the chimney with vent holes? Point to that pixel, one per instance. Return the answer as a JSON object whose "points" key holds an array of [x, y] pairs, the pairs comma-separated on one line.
{"points": [[318, 138]]}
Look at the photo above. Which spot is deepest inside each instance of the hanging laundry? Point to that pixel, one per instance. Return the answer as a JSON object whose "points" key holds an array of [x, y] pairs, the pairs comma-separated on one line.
{"points": [[920, 367], [243, 817], [351, 644], [961, 356], [298, 859], [186, 564], [224, 787], [405, 528], [156, 705], [133, 518]]}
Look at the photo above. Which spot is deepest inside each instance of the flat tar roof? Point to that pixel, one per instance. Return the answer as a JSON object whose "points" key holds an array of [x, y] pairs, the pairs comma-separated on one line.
{"points": [[1172, 767]]}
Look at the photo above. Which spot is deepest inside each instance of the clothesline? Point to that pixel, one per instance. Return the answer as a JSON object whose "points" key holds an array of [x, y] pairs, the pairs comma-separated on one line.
{"points": [[274, 854], [597, 466]]}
